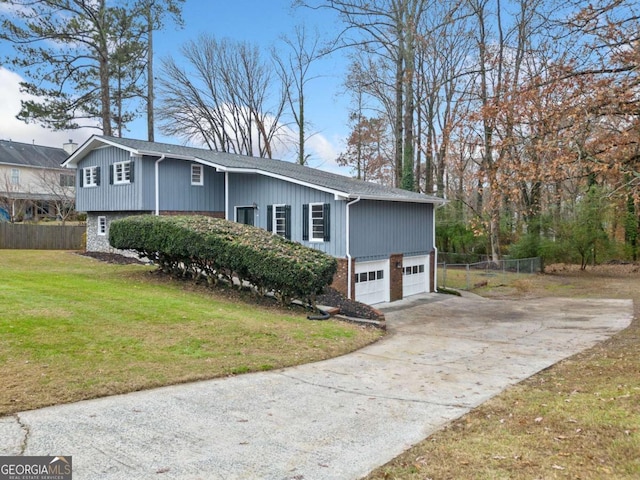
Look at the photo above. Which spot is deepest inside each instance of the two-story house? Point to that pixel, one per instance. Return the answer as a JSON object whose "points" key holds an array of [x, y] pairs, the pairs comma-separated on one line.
{"points": [[382, 237], [33, 184]]}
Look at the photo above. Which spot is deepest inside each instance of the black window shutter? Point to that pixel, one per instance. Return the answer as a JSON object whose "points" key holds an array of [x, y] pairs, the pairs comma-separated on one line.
{"points": [[81, 182], [305, 221], [97, 175], [269, 218], [326, 220], [287, 222], [111, 169], [132, 169]]}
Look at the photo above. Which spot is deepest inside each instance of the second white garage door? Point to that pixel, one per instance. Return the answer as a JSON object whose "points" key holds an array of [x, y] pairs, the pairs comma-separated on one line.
{"points": [[372, 282], [415, 275]]}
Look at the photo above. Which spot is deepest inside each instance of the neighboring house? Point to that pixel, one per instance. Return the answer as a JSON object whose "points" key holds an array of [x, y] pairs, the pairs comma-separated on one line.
{"points": [[33, 184], [383, 238]]}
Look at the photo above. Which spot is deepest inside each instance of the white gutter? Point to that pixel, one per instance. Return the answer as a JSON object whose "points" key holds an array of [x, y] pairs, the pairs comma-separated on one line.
{"points": [[157, 171], [349, 269]]}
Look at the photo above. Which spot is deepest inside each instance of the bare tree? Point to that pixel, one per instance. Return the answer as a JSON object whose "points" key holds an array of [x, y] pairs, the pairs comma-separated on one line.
{"points": [[387, 28], [294, 70], [221, 97], [442, 88], [11, 200], [59, 189]]}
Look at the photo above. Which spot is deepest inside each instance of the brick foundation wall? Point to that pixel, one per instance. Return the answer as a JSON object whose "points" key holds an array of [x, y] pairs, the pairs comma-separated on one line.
{"points": [[432, 271], [340, 279], [395, 276]]}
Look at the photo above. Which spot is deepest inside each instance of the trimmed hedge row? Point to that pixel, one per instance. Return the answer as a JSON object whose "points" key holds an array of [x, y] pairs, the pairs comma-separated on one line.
{"points": [[211, 248]]}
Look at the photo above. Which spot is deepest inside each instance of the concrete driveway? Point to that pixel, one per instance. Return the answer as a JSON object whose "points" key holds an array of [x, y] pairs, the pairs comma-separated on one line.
{"points": [[336, 419]]}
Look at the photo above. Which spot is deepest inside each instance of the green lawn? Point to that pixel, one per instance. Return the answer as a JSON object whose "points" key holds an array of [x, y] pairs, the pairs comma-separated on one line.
{"points": [[73, 328], [579, 419]]}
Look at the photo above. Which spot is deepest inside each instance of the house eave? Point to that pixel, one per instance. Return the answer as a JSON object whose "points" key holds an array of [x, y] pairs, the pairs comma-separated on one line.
{"points": [[257, 171], [428, 200], [338, 194], [35, 167]]}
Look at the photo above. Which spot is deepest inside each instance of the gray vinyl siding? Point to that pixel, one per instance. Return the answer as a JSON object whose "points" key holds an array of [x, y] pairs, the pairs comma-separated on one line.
{"points": [[379, 229], [245, 190], [107, 197], [176, 191]]}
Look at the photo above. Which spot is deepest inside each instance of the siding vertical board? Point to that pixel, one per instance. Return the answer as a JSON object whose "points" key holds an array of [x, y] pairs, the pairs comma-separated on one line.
{"points": [[379, 229], [246, 189], [41, 237], [176, 191], [113, 197]]}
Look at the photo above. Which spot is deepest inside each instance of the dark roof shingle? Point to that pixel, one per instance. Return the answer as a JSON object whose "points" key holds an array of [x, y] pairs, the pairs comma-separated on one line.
{"points": [[299, 173], [16, 153]]}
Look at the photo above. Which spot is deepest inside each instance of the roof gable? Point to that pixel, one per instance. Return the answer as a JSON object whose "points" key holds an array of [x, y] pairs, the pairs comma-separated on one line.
{"points": [[227, 162]]}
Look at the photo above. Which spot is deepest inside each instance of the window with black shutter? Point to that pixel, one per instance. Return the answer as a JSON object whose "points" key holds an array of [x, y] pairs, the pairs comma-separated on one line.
{"points": [[279, 220], [305, 222], [317, 221]]}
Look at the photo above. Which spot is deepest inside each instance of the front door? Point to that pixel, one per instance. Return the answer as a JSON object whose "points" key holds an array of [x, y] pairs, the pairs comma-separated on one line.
{"points": [[245, 215]]}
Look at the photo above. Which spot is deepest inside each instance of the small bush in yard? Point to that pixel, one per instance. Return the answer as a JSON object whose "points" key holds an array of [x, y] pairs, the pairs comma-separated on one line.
{"points": [[214, 249]]}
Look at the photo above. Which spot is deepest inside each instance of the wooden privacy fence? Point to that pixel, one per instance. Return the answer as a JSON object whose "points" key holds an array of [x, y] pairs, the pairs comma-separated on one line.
{"points": [[41, 237]]}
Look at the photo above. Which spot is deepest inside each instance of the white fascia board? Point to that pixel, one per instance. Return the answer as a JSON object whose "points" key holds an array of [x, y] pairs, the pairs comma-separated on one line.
{"points": [[75, 157], [153, 153], [92, 144], [435, 201], [338, 195]]}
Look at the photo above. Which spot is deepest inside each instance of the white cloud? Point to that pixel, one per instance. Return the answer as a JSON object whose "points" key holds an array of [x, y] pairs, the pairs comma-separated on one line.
{"points": [[13, 129], [321, 151]]}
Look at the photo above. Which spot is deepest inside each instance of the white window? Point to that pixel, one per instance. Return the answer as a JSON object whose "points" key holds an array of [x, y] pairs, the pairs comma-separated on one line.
{"points": [[121, 173], [15, 176], [197, 175], [316, 221], [279, 220], [102, 225], [90, 176]]}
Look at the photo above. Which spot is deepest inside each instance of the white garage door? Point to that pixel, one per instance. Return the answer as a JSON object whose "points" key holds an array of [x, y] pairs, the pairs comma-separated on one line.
{"points": [[372, 282], [415, 275]]}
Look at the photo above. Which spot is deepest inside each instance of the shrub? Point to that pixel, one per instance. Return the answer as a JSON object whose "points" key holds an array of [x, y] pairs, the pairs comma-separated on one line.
{"points": [[214, 249]]}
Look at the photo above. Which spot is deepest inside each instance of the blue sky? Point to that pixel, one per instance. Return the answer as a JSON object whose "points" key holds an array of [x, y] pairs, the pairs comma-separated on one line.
{"points": [[262, 22]]}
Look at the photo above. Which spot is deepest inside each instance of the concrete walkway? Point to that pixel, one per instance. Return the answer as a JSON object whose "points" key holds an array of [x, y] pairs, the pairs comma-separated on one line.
{"points": [[336, 419]]}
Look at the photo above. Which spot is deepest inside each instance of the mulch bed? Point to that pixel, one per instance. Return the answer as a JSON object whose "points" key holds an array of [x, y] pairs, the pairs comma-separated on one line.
{"points": [[331, 297], [113, 258], [350, 308]]}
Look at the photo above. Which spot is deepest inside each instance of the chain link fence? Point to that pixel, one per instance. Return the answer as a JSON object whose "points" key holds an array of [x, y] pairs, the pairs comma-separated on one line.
{"points": [[467, 276]]}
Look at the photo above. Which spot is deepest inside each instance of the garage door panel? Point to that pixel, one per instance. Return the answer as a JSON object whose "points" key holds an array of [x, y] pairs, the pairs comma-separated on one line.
{"points": [[415, 275], [372, 282]]}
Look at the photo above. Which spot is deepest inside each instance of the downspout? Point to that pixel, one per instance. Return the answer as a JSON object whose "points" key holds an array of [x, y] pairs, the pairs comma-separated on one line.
{"points": [[226, 195], [349, 269], [435, 249], [157, 172]]}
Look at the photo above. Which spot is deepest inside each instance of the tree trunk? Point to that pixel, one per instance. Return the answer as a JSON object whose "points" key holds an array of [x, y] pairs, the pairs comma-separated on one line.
{"points": [[398, 124], [150, 85], [105, 94]]}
